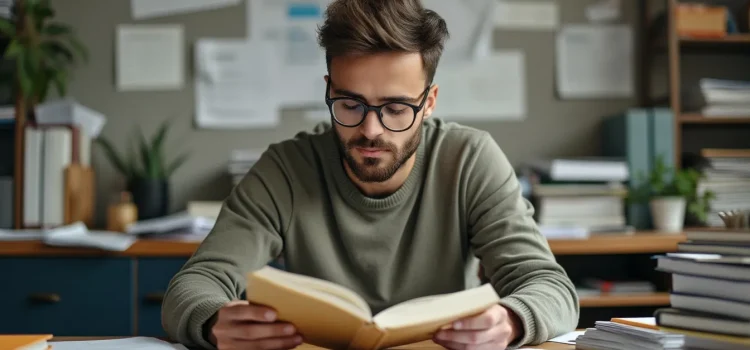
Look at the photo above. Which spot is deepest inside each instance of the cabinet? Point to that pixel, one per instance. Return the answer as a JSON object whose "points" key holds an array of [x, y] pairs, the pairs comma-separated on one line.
{"points": [[154, 275], [73, 296]]}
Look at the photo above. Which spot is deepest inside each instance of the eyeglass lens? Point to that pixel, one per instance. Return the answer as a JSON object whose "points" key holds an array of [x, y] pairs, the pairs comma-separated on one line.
{"points": [[395, 116]]}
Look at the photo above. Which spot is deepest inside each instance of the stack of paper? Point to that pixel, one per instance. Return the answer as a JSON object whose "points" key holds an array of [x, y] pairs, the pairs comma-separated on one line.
{"points": [[614, 335], [142, 343], [725, 98], [710, 300]]}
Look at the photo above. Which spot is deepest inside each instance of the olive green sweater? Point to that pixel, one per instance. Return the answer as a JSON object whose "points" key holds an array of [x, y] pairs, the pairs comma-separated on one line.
{"points": [[461, 200]]}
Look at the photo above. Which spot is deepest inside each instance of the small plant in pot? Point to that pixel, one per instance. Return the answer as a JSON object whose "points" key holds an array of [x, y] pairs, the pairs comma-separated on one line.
{"points": [[146, 172], [671, 193]]}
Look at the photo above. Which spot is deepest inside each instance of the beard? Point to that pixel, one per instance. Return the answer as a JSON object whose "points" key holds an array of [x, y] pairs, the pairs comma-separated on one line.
{"points": [[378, 169]]}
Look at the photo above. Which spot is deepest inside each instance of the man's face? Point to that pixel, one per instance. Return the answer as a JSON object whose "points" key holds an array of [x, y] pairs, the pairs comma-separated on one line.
{"points": [[372, 152]]}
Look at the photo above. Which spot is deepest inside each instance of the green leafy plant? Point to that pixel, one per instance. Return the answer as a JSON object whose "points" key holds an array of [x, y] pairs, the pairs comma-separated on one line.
{"points": [[665, 181], [145, 159], [44, 51]]}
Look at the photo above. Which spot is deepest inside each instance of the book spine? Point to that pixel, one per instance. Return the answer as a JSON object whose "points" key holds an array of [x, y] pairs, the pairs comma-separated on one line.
{"points": [[369, 337], [628, 136]]}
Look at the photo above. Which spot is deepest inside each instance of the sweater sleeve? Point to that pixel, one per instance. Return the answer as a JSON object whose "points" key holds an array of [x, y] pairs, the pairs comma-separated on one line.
{"points": [[246, 236], [514, 255]]}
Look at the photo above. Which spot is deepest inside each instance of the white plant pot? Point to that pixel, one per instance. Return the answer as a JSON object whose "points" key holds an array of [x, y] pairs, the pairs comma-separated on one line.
{"points": [[668, 213]]}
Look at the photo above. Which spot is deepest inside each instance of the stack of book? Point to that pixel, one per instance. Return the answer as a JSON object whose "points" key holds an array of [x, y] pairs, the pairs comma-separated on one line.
{"points": [[578, 197], [240, 162], [636, 333], [728, 177], [725, 98], [710, 298]]}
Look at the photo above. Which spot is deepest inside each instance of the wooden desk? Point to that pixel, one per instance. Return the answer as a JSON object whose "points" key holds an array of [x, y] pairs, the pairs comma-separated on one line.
{"points": [[420, 346]]}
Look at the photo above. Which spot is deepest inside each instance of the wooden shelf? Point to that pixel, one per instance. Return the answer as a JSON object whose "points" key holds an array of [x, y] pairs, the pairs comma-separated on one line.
{"points": [[729, 39], [637, 243], [646, 299], [141, 248], [694, 118]]}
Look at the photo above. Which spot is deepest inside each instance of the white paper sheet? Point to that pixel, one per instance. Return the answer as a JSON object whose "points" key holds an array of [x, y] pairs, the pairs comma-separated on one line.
{"points": [[470, 25], [143, 9], [567, 338], [594, 61], [603, 11], [150, 57], [527, 15], [236, 84], [291, 28], [140, 343], [491, 89]]}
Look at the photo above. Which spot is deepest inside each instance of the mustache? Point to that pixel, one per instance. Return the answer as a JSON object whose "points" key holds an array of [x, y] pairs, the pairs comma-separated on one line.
{"points": [[364, 142]]}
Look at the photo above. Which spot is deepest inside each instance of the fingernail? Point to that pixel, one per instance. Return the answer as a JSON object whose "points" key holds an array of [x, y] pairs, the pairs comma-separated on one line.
{"points": [[457, 325], [297, 339], [289, 330], [270, 315], [440, 335]]}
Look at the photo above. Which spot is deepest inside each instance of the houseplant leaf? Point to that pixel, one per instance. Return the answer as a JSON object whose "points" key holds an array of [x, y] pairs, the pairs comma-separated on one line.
{"points": [[113, 156], [7, 28], [60, 77], [56, 29], [13, 50], [25, 78], [176, 163], [148, 168], [79, 48]]}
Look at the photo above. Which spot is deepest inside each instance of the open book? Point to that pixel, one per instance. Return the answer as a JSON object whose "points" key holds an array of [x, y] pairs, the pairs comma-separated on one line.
{"points": [[331, 316]]}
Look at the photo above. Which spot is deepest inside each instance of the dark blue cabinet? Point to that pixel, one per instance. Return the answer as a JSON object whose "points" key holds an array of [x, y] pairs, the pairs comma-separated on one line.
{"points": [[154, 275], [67, 296]]}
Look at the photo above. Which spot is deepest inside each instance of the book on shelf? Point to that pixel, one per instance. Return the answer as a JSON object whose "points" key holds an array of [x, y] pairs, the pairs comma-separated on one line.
{"points": [[348, 321]]}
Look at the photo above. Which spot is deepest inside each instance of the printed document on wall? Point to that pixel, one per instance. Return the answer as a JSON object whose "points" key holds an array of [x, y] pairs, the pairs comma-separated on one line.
{"points": [[143, 9], [470, 25], [493, 88], [291, 27], [235, 84], [595, 61], [149, 57]]}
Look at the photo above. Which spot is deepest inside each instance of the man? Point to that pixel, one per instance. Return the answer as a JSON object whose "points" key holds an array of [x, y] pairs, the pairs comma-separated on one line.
{"points": [[385, 200]]}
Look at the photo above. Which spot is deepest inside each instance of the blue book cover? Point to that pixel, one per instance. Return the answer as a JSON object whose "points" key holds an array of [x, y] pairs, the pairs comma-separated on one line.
{"points": [[627, 136]]}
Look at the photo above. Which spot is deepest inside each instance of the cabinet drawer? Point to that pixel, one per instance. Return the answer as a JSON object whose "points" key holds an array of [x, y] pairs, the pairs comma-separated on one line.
{"points": [[67, 296], [154, 275]]}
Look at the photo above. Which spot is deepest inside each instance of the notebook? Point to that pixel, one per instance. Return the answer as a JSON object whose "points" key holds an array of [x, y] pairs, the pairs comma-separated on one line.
{"points": [[24, 342]]}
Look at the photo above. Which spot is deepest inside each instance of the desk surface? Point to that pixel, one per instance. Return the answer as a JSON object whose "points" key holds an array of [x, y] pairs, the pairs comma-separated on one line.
{"points": [[421, 346], [641, 242]]}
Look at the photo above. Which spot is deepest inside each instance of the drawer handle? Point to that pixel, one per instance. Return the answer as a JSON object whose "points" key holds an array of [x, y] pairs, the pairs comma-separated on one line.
{"points": [[46, 298], [156, 298]]}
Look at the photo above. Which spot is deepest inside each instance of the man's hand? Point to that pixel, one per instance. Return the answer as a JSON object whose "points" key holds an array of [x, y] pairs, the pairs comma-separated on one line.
{"points": [[493, 329], [241, 325]]}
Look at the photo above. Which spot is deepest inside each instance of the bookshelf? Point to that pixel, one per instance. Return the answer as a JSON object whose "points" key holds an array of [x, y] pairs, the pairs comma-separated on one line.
{"points": [[704, 131], [619, 300]]}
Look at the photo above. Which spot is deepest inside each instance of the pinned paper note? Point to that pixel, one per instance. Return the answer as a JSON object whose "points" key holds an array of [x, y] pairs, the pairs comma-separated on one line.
{"points": [[236, 84], [527, 15], [150, 57], [594, 61], [603, 11], [143, 9]]}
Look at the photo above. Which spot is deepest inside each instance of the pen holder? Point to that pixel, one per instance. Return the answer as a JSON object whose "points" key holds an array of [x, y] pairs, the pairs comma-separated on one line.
{"points": [[735, 219]]}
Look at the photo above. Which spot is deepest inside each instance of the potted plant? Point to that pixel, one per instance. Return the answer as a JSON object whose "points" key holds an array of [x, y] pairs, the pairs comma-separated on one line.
{"points": [[42, 52], [146, 171], [671, 193]]}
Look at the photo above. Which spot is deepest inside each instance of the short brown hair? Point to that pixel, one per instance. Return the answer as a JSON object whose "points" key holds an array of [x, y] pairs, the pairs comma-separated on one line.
{"points": [[355, 27]]}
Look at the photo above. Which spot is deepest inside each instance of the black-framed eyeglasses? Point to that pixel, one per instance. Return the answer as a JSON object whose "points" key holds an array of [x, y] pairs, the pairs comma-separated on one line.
{"points": [[394, 116]]}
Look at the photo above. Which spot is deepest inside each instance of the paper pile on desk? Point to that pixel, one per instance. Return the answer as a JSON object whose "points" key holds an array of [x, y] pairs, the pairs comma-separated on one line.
{"points": [[613, 335], [141, 343], [73, 235]]}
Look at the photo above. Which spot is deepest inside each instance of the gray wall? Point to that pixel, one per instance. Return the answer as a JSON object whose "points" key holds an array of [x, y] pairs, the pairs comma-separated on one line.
{"points": [[552, 127]]}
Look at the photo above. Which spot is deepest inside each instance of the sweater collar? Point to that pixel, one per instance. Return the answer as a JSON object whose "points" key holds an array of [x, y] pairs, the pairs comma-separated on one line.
{"points": [[355, 197]]}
